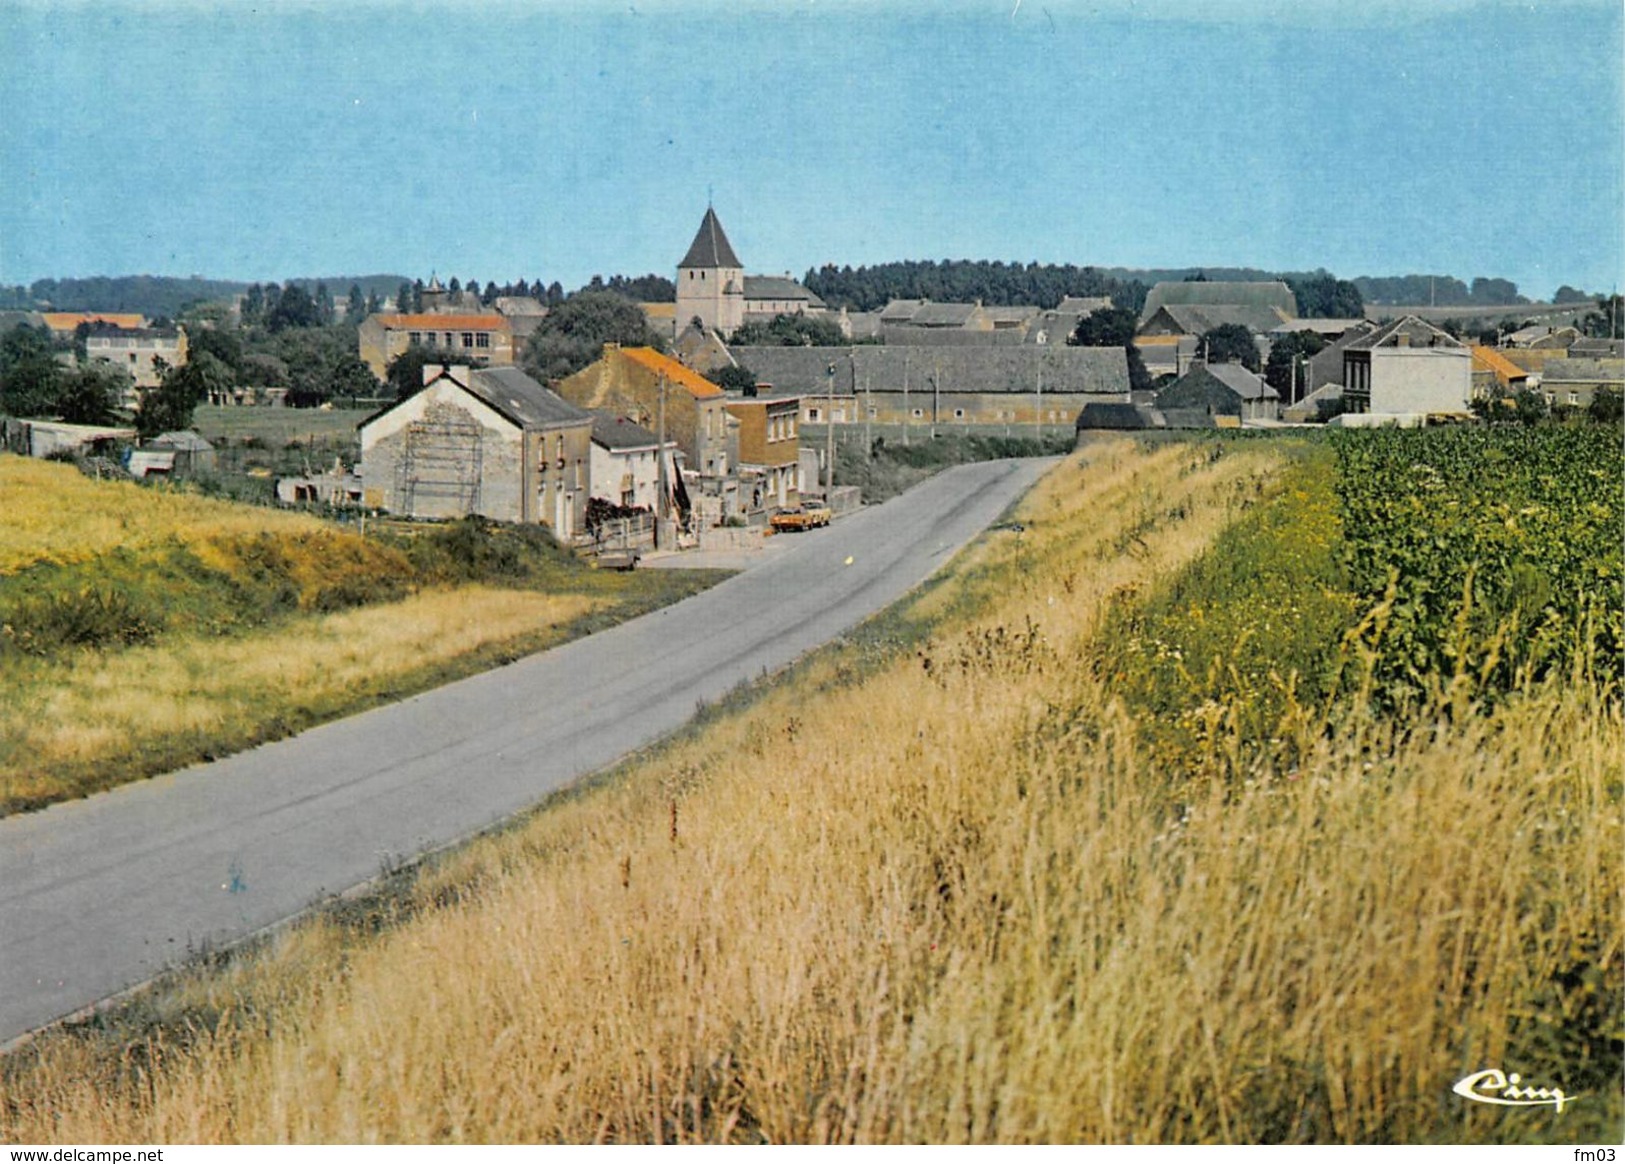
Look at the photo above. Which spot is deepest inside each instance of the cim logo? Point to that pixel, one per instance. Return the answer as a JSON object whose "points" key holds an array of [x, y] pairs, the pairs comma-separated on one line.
{"points": [[1495, 1086]]}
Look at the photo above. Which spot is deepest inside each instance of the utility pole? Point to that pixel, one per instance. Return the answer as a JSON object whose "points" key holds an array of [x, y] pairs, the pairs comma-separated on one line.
{"points": [[1038, 417], [936, 397], [829, 434], [907, 416], [660, 458]]}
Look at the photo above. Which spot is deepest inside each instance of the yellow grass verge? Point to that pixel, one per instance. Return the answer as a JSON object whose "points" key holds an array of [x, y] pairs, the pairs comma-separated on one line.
{"points": [[948, 902], [50, 512], [67, 714]]}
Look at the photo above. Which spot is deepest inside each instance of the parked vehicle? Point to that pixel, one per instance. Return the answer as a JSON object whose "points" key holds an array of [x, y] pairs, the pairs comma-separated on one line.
{"points": [[804, 517]]}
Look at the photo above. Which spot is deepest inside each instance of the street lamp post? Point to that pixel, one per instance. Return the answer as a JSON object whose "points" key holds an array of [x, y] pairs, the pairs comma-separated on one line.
{"points": [[829, 430]]}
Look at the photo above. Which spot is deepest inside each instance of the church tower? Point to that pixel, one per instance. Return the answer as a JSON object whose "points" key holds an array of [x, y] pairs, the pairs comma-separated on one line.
{"points": [[711, 281]]}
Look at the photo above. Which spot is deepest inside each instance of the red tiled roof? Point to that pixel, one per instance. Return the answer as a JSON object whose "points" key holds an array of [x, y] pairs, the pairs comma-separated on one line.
{"points": [[698, 386], [68, 320], [432, 322]]}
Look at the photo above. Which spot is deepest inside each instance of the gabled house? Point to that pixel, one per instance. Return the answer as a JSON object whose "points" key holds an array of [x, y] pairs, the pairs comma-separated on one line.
{"points": [[1407, 368], [1574, 383], [488, 441], [631, 382], [1221, 390], [142, 352], [1494, 372], [625, 462]]}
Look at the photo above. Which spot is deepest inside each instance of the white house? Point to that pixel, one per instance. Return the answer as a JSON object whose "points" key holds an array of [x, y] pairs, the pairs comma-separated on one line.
{"points": [[625, 471], [1407, 368]]}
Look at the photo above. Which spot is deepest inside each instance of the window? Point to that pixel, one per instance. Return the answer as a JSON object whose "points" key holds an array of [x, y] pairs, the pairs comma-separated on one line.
{"points": [[813, 415], [1574, 398], [468, 339], [415, 338], [482, 339]]}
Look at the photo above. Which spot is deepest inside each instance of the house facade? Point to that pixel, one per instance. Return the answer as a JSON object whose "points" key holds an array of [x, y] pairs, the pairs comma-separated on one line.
{"points": [[767, 444], [487, 441], [1409, 367], [625, 464], [485, 338], [631, 382], [142, 352]]}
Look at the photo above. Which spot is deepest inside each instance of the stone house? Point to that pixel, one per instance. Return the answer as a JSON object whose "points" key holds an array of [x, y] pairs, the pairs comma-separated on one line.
{"points": [[143, 352], [713, 288], [1220, 390], [485, 338], [1574, 383], [488, 441], [630, 383]]}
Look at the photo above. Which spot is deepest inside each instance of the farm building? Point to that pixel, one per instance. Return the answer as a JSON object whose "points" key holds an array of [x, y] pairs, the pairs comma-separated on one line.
{"points": [[1221, 390], [41, 438], [488, 441], [895, 384]]}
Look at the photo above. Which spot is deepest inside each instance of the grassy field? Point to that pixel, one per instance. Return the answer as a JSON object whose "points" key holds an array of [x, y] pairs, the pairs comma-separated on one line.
{"points": [[142, 629], [938, 885]]}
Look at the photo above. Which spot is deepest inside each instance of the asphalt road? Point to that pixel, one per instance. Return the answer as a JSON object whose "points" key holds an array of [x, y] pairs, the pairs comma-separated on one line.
{"points": [[102, 894]]}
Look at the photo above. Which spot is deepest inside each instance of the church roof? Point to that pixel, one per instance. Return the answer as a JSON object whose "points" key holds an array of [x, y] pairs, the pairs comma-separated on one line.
{"points": [[710, 248]]}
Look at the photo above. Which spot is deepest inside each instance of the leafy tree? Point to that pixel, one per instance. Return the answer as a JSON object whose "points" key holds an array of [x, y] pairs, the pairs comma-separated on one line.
{"points": [[1287, 355], [30, 376], [574, 333], [324, 305], [223, 344], [351, 377], [1530, 407], [1230, 342], [790, 331], [1114, 327], [1607, 406], [262, 370], [1494, 292], [374, 304], [92, 394], [736, 378], [1607, 321], [294, 308], [404, 299], [253, 309], [355, 310], [1322, 296], [1567, 294], [404, 375], [169, 406]]}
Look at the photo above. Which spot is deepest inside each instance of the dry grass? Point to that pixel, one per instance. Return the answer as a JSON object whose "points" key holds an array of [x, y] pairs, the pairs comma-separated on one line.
{"points": [[50, 512], [71, 715], [948, 902]]}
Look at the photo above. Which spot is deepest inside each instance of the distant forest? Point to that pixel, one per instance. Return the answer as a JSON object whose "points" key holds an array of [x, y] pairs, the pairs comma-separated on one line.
{"points": [[1319, 294], [863, 288]]}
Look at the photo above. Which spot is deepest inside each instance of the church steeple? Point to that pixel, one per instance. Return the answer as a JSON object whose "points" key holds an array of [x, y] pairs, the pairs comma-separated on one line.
{"points": [[710, 249], [711, 281]]}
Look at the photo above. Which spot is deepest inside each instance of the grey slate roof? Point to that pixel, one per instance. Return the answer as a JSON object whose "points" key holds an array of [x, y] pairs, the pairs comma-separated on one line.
{"points": [[1309, 407], [900, 310], [779, 287], [1418, 332], [710, 248], [1213, 293], [613, 431], [1214, 388], [1597, 349], [985, 368], [1321, 327], [1242, 382], [1082, 305], [522, 400], [943, 314], [1193, 319], [1582, 371]]}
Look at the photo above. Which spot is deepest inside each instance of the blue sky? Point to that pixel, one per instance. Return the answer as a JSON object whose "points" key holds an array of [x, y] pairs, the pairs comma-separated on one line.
{"points": [[559, 140]]}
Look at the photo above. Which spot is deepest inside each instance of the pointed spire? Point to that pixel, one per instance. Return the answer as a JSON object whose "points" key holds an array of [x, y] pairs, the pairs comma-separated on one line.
{"points": [[710, 249]]}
